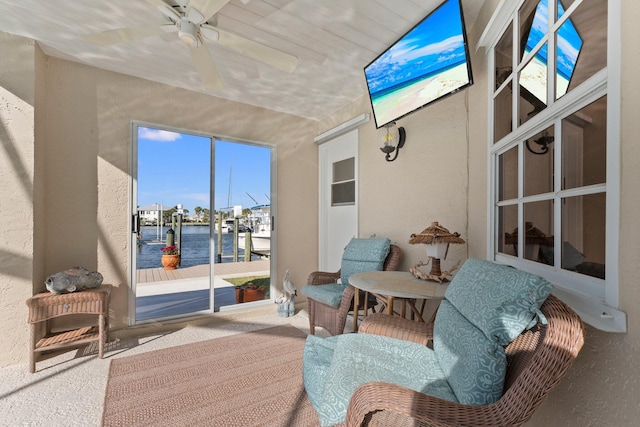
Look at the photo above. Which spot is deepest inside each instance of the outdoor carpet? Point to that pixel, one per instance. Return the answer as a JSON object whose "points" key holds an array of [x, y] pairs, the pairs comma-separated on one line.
{"points": [[248, 379]]}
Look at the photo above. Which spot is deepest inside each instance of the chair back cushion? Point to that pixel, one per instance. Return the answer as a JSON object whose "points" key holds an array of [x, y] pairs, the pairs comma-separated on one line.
{"points": [[474, 364], [500, 300], [363, 255]]}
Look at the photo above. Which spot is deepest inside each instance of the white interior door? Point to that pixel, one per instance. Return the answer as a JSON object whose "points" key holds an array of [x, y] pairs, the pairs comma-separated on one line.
{"points": [[338, 198]]}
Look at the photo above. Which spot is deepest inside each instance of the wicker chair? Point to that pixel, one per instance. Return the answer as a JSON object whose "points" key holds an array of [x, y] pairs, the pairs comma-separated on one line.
{"points": [[537, 361], [333, 319]]}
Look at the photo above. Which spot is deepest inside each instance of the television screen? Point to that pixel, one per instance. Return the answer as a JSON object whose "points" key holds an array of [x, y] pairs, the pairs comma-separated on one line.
{"points": [[428, 63]]}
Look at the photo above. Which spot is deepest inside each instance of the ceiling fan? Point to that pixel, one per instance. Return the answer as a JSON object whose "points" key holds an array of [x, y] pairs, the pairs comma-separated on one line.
{"points": [[189, 19]]}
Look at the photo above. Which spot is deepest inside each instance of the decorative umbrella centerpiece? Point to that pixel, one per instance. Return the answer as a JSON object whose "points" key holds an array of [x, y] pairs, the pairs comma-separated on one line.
{"points": [[437, 238]]}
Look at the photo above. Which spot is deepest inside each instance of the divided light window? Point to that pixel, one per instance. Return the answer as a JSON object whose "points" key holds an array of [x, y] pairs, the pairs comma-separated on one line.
{"points": [[550, 144]]}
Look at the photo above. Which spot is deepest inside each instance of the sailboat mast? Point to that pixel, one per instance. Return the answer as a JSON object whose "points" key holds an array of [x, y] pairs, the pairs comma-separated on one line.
{"points": [[229, 192]]}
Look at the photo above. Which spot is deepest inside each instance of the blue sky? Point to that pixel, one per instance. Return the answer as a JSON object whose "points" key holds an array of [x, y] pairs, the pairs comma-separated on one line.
{"points": [[175, 168], [435, 43]]}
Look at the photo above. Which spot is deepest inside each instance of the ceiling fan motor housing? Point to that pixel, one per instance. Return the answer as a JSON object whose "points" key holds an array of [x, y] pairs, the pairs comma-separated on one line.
{"points": [[188, 32]]}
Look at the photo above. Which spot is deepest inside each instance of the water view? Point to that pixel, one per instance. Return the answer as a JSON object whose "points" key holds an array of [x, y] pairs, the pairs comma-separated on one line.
{"points": [[195, 246]]}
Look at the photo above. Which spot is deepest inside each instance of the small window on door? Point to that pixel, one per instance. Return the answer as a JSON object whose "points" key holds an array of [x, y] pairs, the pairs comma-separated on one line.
{"points": [[343, 183]]}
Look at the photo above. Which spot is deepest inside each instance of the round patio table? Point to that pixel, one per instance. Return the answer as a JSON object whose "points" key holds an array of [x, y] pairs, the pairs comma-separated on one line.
{"points": [[387, 286]]}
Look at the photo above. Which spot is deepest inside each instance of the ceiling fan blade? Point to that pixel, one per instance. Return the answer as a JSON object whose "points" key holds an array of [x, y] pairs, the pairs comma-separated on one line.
{"points": [[165, 8], [207, 8], [204, 64], [107, 38], [255, 50]]}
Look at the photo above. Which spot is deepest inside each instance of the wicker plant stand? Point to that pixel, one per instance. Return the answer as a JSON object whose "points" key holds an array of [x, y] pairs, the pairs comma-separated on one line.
{"points": [[45, 306]]}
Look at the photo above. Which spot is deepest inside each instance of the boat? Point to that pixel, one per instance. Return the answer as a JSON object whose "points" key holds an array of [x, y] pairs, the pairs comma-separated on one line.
{"points": [[259, 221]]}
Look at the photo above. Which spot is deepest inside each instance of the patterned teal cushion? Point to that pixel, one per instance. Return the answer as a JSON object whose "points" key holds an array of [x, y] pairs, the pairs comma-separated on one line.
{"points": [[329, 294], [474, 364], [500, 300], [316, 359], [363, 255], [363, 358]]}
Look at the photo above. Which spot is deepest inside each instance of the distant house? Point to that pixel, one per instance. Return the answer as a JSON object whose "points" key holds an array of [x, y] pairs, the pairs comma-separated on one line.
{"points": [[150, 214]]}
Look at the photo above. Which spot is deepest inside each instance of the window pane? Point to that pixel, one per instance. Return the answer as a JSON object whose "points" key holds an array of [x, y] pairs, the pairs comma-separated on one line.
{"points": [[538, 163], [504, 56], [533, 86], [344, 170], [538, 217], [584, 146], [584, 234], [343, 194], [568, 46], [508, 179], [590, 21], [533, 24], [502, 114], [507, 221]]}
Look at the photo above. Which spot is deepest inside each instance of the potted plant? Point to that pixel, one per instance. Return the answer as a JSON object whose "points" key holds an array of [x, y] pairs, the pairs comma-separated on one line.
{"points": [[249, 292], [170, 257]]}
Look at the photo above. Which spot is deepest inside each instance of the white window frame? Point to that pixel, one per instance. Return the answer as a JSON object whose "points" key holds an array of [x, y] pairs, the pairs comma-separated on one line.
{"points": [[595, 300]]}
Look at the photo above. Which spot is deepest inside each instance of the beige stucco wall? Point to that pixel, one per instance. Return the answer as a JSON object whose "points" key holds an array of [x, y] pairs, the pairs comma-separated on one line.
{"points": [[17, 153]]}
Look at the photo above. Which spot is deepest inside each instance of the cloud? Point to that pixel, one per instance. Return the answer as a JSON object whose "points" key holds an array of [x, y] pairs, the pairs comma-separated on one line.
{"points": [[157, 134]]}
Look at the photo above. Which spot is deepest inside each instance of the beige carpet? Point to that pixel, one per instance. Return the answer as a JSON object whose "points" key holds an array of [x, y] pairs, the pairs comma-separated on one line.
{"points": [[248, 379]]}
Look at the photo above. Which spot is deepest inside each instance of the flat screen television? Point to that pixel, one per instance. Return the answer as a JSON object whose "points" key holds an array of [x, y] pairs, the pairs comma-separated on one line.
{"points": [[428, 63]]}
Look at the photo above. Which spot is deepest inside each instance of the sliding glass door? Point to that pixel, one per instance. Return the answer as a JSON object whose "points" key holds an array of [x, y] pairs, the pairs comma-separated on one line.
{"points": [[191, 256], [170, 226]]}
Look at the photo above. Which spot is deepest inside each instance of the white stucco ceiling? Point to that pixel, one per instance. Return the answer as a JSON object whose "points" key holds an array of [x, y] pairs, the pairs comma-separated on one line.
{"points": [[332, 39]]}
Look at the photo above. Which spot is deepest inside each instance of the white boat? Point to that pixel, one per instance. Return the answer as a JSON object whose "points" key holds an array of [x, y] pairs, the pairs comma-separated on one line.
{"points": [[260, 223]]}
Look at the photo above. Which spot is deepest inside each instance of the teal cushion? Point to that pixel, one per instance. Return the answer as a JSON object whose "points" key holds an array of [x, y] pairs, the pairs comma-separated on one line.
{"points": [[363, 255], [474, 364], [316, 359], [363, 358], [500, 300], [330, 294]]}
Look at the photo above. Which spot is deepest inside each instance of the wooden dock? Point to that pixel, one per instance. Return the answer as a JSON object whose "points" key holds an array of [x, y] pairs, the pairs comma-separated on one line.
{"points": [[222, 269]]}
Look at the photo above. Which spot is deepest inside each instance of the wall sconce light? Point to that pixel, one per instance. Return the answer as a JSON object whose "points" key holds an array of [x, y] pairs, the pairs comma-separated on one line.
{"points": [[392, 140], [544, 141], [437, 238]]}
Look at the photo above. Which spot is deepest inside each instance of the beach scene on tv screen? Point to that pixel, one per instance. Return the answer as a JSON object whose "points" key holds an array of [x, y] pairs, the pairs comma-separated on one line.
{"points": [[427, 63]]}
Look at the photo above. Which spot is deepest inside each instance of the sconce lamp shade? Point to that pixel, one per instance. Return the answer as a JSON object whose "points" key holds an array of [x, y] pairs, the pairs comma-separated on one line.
{"points": [[437, 238], [392, 139]]}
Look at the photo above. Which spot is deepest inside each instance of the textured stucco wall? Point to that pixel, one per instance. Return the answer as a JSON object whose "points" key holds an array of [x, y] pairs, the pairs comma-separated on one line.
{"points": [[17, 150]]}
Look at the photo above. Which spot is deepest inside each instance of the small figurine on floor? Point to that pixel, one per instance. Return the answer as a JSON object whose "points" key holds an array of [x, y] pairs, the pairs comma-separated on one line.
{"points": [[72, 280]]}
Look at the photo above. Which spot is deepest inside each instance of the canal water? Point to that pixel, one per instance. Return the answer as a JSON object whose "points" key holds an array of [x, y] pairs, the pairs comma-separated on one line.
{"points": [[195, 246]]}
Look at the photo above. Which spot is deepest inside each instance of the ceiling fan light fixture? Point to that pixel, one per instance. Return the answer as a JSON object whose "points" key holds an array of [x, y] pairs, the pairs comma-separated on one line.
{"points": [[188, 32]]}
